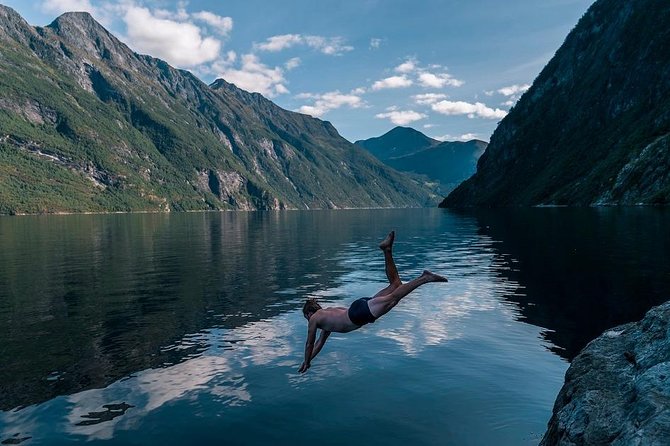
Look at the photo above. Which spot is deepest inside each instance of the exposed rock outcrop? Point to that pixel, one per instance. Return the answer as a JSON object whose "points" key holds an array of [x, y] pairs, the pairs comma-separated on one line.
{"points": [[617, 390]]}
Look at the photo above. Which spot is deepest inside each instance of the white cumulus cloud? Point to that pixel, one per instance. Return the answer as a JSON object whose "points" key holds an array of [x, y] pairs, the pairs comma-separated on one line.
{"points": [[439, 80], [401, 117], [180, 43], [392, 82], [477, 109], [331, 46], [255, 76], [331, 100], [513, 89]]}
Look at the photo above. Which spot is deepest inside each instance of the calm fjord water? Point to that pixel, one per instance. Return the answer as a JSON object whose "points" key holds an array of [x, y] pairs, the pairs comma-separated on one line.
{"points": [[186, 328]]}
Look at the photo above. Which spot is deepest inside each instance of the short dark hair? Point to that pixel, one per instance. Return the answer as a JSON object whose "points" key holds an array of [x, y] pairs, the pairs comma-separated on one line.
{"points": [[310, 306]]}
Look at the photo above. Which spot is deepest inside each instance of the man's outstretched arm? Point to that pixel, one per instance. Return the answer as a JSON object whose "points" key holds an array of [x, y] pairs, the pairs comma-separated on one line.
{"points": [[309, 345], [319, 344]]}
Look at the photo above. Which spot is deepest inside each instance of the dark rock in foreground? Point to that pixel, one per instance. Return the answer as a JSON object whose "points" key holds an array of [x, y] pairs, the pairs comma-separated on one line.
{"points": [[617, 390]]}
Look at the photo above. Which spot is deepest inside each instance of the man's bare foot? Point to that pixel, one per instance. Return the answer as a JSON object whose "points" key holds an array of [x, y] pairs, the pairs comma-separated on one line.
{"points": [[388, 241], [434, 277]]}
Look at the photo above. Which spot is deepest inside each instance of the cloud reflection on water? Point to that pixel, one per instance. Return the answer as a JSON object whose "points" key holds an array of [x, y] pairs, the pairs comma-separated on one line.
{"points": [[223, 359]]}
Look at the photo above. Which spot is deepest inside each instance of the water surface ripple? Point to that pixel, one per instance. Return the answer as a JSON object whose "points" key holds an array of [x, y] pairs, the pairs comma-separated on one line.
{"points": [[186, 328]]}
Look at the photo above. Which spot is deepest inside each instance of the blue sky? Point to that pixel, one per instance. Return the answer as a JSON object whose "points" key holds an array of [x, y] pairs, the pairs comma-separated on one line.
{"points": [[449, 68]]}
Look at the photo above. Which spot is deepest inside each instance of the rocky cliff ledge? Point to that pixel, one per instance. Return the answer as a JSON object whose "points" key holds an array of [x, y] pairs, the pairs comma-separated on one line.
{"points": [[617, 390]]}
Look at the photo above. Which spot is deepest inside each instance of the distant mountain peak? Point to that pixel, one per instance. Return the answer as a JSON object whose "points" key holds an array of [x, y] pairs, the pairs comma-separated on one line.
{"points": [[77, 17], [444, 163], [399, 141], [82, 21], [400, 129]]}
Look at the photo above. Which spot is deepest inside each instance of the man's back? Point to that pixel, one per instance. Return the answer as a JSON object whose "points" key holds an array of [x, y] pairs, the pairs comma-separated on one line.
{"points": [[333, 319]]}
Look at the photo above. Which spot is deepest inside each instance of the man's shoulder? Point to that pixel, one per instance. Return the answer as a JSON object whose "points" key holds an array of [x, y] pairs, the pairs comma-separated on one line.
{"points": [[326, 314]]}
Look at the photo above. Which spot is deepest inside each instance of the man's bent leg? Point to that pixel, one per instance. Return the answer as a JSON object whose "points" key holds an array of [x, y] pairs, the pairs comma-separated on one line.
{"points": [[380, 305], [389, 265]]}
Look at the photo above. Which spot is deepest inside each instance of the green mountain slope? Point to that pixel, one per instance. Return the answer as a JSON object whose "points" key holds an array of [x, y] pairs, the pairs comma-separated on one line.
{"points": [[445, 164], [88, 125], [594, 129], [449, 162]]}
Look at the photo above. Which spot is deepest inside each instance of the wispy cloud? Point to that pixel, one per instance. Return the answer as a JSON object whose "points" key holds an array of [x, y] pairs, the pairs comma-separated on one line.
{"points": [[428, 98], [401, 117], [407, 66], [332, 46], [392, 82], [292, 63], [61, 6], [222, 25], [375, 43], [476, 110], [279, 43], [331, 100], [463, 137]]}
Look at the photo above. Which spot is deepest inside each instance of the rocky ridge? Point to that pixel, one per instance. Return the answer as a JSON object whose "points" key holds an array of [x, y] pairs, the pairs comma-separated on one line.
{"points": [[169, 142]]}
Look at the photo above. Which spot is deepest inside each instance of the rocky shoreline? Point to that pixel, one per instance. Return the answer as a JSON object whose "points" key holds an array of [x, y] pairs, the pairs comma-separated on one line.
{"points": [[617, 390]]}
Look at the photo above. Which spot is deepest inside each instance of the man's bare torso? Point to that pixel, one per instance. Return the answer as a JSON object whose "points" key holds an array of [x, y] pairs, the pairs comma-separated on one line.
{"points": [[334, 319]]}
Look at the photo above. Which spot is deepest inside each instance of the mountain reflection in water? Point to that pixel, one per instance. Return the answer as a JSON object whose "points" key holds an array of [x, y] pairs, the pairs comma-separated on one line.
{"points": [[582, 270], [147, 329]]}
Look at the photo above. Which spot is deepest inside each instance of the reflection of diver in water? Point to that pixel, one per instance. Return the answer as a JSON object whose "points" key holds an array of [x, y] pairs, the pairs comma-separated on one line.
{"points": [[361, 311]]}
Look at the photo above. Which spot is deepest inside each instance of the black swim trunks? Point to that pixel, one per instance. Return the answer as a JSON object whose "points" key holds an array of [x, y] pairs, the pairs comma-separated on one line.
{"points": [[359, 312]]}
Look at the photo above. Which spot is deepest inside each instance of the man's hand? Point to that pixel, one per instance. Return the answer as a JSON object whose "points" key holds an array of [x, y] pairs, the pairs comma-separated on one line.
{"points": [[303, 368]]}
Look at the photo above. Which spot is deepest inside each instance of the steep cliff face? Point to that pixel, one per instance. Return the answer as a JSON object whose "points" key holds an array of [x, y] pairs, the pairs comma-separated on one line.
{"points": [[593, 129], [86, 124], [617, 390]]}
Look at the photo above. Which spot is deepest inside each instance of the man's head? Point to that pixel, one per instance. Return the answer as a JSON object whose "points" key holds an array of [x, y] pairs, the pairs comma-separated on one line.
{"points": [[310, 308]]}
